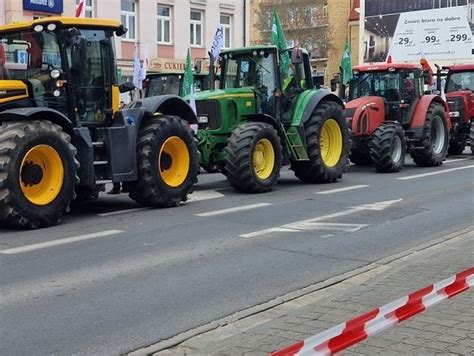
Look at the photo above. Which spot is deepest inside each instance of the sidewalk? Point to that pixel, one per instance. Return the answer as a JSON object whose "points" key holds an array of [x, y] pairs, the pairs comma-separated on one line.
{"points": [[446, 328]]}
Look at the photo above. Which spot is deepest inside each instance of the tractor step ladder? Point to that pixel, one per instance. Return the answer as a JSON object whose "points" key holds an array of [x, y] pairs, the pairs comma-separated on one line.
{"points": [[296, 145]]}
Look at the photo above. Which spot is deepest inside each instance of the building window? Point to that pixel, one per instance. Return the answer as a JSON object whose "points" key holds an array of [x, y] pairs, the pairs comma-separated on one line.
{"points": [[196, 28], [164, 24], [325, 9], [226, 23], [89, 10], [129, 10]]}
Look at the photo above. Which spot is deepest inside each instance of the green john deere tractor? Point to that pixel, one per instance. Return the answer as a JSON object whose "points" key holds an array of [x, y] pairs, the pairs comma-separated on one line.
{"points": [[262, 118]]}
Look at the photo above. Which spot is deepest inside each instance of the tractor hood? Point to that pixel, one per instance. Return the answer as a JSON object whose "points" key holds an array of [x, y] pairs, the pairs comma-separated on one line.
{"points": [[246, 92], [364, 114]]}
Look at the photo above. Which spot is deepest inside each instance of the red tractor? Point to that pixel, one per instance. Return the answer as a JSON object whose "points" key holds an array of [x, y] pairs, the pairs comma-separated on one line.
{"points": [[390, 114], [459, 90]]}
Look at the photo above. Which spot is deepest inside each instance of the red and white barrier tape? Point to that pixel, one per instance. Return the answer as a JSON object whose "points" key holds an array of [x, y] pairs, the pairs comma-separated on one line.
{"points": [[355, 330]]}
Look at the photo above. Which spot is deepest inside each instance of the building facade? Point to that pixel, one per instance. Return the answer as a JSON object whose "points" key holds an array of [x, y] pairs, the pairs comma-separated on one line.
{"points": [[321, 26], [163, 29]]}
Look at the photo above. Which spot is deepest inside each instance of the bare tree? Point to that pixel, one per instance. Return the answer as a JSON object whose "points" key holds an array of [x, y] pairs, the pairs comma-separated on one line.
{"points": [[304, 22]]}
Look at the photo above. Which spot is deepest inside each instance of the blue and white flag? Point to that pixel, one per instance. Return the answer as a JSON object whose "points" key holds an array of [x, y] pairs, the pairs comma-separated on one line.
{"points": [[217, 42]]}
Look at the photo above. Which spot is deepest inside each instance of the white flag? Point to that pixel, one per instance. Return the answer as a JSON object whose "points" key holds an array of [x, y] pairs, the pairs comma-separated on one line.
{"points": [[137, 76], [217, 42], [145, 64]]}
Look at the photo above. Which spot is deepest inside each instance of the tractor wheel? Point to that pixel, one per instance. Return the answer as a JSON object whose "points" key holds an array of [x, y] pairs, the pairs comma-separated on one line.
{"points": [[431, 150], [38, 173], [388, 147], [456, 147], [328, 145], [254, 158], [360, 158], [167, 163]]}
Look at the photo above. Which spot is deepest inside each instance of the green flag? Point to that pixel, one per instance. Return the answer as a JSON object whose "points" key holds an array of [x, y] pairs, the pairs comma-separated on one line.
{"points": [[278, 39], [188, 75], [346, 64]]}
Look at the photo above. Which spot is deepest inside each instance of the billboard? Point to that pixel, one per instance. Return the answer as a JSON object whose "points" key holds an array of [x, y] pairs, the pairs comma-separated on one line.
{"points": [[411, 29]]}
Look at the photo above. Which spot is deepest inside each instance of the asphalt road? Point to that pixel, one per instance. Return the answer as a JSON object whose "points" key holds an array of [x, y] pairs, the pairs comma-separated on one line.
{"points": [[113, 277]]}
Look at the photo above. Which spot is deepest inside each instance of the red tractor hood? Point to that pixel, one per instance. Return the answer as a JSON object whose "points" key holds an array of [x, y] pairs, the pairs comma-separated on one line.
{"points": [[365, 114]]}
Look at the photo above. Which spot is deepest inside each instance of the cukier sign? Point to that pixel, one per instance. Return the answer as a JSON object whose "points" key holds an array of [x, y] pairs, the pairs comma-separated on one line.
{"points": [[54, 6]]}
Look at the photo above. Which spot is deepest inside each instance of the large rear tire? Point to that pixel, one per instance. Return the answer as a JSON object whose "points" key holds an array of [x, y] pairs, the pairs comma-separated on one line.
{"points": [[38, 173], [168, 163], [432, 148], [388, 147], [328, 145], [254, 158]]}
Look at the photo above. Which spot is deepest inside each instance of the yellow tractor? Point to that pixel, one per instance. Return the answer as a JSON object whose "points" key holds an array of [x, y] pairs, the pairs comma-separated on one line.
{"points": [[62, 135]]}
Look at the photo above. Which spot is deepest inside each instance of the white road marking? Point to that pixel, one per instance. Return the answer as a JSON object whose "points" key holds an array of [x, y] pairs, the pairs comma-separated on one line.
{"points": [[437, 172], [343, 189], [455, 160], [122, 211], [42, 245], [297, 226], [199, 195], [326, 226], [232, 210]]}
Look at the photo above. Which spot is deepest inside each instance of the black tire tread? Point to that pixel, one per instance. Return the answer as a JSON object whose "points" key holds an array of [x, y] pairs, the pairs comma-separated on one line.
{"points": [[381, 147], [238, 166], [314, 170], [145, 190], [11, 135], [422, 151]]}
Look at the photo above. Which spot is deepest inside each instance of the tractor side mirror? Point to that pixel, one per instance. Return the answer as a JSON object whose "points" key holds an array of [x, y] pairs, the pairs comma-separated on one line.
{"points": [[78, 53], [122, 30], [296, 56], [126, 87]]}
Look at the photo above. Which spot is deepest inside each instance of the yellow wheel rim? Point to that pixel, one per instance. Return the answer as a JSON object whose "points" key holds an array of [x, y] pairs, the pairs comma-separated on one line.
{"points": [[173, 161], [41, 175], [331, 142], [263, 159]]}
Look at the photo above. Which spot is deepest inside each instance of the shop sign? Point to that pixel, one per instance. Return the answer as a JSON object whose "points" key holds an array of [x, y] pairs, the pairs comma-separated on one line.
{"points": [[53, 6]]}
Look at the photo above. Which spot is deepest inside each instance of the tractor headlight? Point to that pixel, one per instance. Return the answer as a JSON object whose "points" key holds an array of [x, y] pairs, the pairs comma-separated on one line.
{"points": [[202, 119], [454, 114]]}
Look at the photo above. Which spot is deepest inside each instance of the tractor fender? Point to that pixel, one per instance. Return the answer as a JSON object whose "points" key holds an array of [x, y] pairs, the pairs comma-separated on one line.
{"points": [[364, 115], [38, 113], [166, 104], [271, 121], [419, 114], [308, 102]]}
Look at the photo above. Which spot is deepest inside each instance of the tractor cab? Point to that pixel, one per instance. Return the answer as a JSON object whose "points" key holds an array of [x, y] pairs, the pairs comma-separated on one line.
{"points": [[399, 86], [172, 83], [66, 65], [257, 70]]}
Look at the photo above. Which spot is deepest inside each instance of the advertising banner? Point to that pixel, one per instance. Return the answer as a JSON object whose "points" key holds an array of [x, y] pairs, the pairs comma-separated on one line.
{"points": [[411, 29], [52, 6]]}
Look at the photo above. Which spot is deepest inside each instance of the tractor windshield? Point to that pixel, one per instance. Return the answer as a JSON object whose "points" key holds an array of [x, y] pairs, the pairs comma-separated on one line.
{"points": [[457, 81], [163, 84], [31, 56], [385, 84], [248, 70]]}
